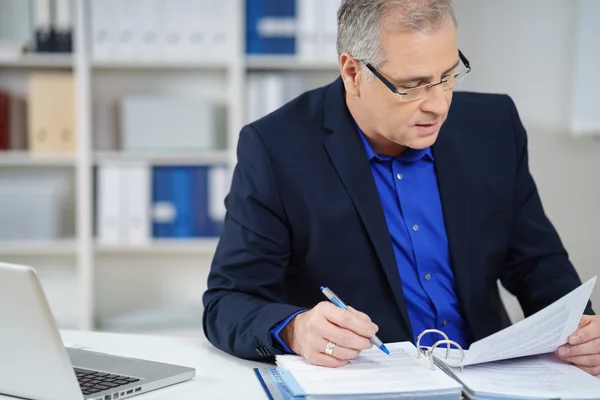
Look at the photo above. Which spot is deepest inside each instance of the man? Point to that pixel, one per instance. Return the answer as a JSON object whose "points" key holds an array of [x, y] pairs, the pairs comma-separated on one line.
{"points": [[408, 208]]}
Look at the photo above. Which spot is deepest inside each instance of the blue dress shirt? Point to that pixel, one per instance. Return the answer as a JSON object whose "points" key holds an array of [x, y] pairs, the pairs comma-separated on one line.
{"points": [[412, 207], [411, 203]]}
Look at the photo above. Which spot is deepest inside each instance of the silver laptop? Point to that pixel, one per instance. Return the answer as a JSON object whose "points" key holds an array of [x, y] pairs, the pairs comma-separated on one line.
{"points": [[36, 365]]}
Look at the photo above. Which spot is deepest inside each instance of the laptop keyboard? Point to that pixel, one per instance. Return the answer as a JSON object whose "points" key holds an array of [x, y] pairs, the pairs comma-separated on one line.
{"points": [[93, 382]]}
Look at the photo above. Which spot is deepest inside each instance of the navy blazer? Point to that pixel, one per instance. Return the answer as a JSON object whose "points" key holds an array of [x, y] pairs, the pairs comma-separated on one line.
{"points": [[303, 211]]}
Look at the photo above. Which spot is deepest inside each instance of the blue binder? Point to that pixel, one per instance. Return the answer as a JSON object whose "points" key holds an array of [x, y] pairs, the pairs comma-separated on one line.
{"points": [[182, 181], [186, 189], [273, 384], [270, 26], [161, 194], [203, 225]]}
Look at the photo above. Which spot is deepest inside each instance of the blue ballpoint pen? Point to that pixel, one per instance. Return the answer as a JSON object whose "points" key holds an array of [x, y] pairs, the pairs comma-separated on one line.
{"points": [[338, 302]]}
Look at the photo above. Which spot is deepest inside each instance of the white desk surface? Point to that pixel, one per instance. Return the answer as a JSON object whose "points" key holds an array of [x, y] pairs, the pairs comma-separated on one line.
{"points": [[218, 375]]}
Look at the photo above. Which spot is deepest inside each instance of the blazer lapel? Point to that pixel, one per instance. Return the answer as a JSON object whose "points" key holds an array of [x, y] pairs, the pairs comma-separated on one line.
{"points": [[347, 155], [451, 176]]}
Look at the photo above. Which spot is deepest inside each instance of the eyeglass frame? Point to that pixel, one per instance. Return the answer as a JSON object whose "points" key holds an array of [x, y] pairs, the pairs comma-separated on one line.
{"points": [[394, 88]]}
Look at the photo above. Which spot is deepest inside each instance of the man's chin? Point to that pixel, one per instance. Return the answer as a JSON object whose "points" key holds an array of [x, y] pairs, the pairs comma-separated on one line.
{"points": [[423, 142]]}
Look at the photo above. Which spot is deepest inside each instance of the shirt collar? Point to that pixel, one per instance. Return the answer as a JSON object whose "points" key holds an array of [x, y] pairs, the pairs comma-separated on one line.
{"points": [[409, 155]]}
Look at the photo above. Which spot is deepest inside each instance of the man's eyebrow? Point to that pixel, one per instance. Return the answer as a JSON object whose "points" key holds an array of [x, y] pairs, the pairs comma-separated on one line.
{"points": [[425, 78]]}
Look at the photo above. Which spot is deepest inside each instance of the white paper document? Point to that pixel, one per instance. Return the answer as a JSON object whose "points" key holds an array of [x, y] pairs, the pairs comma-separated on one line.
{"points": [[542, 332], [372, 372], [544, 376]]}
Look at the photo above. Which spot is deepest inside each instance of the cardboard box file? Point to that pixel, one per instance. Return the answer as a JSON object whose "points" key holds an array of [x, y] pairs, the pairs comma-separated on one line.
{"points": [[51, 113]]}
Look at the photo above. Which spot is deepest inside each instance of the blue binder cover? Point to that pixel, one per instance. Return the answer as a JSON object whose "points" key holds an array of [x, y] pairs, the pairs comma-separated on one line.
{"points": [[173, 185], [186, 189], [203, 226], [273, 384], [161, 194], [271, 26], [181, 186]]}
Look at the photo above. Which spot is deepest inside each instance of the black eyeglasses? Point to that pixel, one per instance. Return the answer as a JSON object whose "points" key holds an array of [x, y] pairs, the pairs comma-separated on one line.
{"points": [[416, 93]]}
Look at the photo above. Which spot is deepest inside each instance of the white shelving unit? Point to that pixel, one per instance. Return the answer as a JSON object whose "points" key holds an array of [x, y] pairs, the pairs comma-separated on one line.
{"points": [[23, 158], [63, 247], [163, 246], [210, 157], [160, 65], [106, 277], [287, 63], [39, 61]]}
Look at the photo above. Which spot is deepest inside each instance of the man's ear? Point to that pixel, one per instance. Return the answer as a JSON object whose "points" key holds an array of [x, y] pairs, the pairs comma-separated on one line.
{"points": [[352, 74]]}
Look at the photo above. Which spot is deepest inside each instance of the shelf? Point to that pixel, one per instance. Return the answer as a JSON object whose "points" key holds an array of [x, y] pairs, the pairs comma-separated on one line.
{"points": [[287, 63], [39, 61], [162, 246], [161, 64], [51, 247], [169, 331], [167, 158], [26, 158], [167, 319]]}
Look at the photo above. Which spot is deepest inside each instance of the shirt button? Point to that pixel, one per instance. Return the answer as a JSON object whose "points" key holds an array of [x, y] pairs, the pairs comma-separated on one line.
{"points": [[415, 228], [427, 277], [399, 176], [444, 323]]}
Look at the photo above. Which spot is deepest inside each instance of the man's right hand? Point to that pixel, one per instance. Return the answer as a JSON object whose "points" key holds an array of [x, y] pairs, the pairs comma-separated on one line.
{"points": [[309, 332]]}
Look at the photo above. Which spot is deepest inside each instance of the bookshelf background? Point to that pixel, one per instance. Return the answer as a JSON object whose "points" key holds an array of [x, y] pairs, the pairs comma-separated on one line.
{"points": [[157, 285]]}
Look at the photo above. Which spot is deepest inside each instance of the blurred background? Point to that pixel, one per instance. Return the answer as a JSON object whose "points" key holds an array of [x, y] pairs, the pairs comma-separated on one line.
{"points": [[119, 122]]}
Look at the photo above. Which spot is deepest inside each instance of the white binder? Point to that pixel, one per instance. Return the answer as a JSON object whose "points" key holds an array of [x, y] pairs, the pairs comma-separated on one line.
{"points": [[146, 42], [136, 190], [307, 36], [109, 204], [219, 184], [104, 29]]}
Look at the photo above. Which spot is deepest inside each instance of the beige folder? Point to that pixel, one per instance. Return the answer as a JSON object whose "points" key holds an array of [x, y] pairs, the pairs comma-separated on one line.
{"points": [[52, 112]]}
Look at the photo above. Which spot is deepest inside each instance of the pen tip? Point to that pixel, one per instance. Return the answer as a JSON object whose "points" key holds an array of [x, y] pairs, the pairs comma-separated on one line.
{"points": [[322, 288], [384, 349]]}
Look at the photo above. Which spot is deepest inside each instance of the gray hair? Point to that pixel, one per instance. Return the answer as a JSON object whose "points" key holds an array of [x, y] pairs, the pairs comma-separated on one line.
{"points": [[360, 23]]}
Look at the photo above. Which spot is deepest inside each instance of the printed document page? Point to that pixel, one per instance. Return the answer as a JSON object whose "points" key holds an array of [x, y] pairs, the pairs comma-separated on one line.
{"points": [[372, 372], [542, 332], [545, 376]]}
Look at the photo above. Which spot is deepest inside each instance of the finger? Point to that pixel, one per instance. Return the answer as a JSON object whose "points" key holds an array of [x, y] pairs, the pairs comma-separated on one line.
{"points": [[345, 337], [339, 352], [346, 319], [585, 321], [589, 348], [586, 333], [363, 316], [591, 360], [322, 359], [594, 371]]}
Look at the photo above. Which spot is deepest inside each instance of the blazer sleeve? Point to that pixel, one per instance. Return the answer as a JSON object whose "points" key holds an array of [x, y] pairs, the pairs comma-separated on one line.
{"points": [[537, 268], [245, 288]]}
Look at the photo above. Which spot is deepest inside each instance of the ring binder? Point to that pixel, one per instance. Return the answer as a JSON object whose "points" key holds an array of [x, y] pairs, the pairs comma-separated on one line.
{"points": [[426, 331], [449, 342], [509, 373], [429, 353]]}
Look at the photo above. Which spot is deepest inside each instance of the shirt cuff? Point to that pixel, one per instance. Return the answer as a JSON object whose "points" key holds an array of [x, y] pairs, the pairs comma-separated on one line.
{"points": [[278, 328]]}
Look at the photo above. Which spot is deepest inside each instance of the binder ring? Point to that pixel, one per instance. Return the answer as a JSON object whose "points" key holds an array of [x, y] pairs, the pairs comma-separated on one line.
{"points": [[426, 351], [448, 342]]}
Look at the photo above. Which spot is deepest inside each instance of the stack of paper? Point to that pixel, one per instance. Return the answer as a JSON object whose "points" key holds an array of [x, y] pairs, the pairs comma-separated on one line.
{"points": [[541, 378], [373, 375], [518, 362]]}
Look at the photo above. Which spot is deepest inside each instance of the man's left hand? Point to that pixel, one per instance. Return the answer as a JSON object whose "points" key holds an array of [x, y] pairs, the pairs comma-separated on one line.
{"points": [[583, 349]]}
